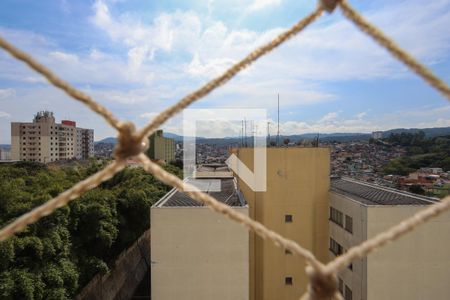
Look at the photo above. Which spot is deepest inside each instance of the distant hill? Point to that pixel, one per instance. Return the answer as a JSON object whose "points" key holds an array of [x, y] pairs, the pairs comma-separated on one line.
{"points": [[5, 146], [325, 137], [113, 140], [174, 136], [108, 140], [429, 132]]}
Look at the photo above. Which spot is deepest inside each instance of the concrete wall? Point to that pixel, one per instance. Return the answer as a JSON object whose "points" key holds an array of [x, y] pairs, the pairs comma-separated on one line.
{"points": [[121, 282], [297, 185], [415, 267], [198, 255]]}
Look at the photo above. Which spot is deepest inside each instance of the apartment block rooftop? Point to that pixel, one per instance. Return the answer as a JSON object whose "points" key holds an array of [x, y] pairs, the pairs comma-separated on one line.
{"points": [[223, 189], [371, 194]]}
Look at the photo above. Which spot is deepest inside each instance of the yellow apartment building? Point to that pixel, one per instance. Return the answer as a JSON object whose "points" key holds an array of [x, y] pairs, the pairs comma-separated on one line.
{"points": [[295, 205], [161, 148]]}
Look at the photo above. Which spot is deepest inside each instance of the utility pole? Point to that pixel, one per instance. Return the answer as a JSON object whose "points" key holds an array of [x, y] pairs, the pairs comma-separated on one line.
{"points": [[278, 132]]}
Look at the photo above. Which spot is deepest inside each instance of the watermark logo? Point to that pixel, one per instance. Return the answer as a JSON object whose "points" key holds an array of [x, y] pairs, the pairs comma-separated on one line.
{"points": [[256, 180]]}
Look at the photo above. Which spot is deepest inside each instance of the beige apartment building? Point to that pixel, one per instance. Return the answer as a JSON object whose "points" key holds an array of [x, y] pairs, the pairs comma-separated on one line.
{"points": [[85, 143], [416, 267], [44, 140], [295, 205], [160, 147], [197, 254]]}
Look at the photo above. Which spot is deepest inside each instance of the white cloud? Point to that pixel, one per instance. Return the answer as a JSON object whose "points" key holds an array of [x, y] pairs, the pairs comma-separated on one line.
{"points": [[149, 115], [166, 32], [159, 60], [329, 117], [361, 115], [262, 4], [329, 51], [96, 54], [4, 114], [6, 93], [63, 57]]}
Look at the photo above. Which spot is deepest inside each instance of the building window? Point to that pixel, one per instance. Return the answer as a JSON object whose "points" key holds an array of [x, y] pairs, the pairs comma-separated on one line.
{"points": [[349, 224], [288, 218], [348, 293], [336, 216], [341, 286], [335, 247], [288, 280]]}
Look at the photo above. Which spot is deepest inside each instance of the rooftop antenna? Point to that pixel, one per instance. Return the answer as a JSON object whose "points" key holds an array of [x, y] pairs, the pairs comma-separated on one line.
{"points": [[255, 133], [278, 132], [245, 132], [252, 132], [242, 134]]}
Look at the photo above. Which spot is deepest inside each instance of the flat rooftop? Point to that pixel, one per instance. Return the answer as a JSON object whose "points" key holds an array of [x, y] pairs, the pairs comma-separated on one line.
{"points": [[223, 189], [371, 194]]}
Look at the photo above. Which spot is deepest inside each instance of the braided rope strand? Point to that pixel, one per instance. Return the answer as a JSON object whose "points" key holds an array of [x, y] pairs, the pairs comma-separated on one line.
{"points": [[322, 277], [57, 82], [229, 212], [230, 73], [388, 236], [394, 49]]}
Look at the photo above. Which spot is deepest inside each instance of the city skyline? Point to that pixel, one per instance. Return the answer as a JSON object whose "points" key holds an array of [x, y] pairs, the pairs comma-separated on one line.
{"points": [[137, 57]]}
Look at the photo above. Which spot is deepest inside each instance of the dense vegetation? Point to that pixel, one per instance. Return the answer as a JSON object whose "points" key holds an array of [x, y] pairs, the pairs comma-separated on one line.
{"points": [[58, 255], [421, 152]]}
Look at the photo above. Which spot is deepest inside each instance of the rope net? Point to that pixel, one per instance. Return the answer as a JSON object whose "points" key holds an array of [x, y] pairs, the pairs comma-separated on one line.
{"points": [[132, 143]]}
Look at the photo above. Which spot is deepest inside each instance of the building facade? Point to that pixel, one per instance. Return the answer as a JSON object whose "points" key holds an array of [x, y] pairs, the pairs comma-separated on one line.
{"points": [[44, 140], [5, 154], [295, 204], [85, 143], [415, 267], [161, 148], [376, 135], [197, 254]]}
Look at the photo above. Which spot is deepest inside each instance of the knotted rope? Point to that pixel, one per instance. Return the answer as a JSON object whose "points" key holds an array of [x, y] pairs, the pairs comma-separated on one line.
{"points": [[132, 143]]}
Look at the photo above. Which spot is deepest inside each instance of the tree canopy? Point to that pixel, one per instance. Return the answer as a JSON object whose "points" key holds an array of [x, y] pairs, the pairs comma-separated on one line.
{"points": [[58, 255]]}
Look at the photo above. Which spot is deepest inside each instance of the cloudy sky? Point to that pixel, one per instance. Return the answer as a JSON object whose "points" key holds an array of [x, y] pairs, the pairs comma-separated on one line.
{"points": [[139, 56]]}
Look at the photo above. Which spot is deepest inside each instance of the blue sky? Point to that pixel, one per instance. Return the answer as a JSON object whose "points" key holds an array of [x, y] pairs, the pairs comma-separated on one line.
{"points": [[139, 56]]}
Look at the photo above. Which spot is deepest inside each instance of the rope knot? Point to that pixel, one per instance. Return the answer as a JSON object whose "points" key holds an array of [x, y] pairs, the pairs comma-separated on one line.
{"points": [[129, 143], [329, 5], [321, 286]]}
